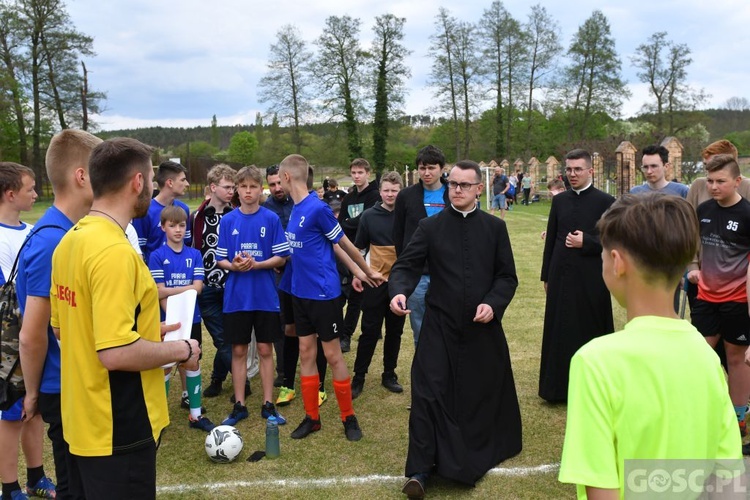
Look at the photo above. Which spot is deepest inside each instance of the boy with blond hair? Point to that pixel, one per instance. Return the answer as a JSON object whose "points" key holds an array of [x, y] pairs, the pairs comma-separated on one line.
{"points": [[68, 171], [627, 387], [251, 245]]}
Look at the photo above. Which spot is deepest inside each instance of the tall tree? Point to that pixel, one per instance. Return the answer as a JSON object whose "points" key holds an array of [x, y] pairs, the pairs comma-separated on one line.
{"points": [[593, 78], [736, 103], [286, 85], [467, 64], [444, 72], [53, 48], [338, 71], [10, 82], [544, 48], [214, 132], [662, 65], [390, 71], [506, 45]]}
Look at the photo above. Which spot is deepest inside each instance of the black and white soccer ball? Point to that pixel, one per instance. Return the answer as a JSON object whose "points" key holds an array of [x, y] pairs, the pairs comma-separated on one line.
{"points": [[223, 444]]}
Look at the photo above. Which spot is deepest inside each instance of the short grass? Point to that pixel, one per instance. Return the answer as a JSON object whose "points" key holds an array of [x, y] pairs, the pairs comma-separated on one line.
{"points": [[374, 467]]}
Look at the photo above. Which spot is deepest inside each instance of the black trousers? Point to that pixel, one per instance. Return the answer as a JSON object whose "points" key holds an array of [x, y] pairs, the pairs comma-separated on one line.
{"points": [[127, 476], [353, 307], [49, 408], [375, 311]]}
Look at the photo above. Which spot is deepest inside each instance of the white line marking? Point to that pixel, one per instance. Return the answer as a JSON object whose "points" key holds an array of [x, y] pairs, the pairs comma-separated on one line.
{"points": [[334, 481]]}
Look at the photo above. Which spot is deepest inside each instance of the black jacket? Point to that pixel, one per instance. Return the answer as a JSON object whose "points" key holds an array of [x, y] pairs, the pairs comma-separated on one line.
{"points": [[353, 205], [408, 212]]}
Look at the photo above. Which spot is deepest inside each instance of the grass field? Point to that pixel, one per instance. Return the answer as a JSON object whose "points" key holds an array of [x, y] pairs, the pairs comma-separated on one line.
{"points": [[325, 465]]}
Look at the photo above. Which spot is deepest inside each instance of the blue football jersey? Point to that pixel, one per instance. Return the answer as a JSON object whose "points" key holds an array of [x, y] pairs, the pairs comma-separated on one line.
{"points": [[177, 269], [261, 236], [312, 231], [148, 227]]}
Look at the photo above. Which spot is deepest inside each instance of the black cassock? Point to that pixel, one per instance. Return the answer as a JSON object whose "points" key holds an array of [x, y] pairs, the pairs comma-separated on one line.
{"points": [[578, 303], [464, 416]]}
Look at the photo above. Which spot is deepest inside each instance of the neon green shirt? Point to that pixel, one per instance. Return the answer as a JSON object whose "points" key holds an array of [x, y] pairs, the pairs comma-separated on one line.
{"points": [[653, 390]]}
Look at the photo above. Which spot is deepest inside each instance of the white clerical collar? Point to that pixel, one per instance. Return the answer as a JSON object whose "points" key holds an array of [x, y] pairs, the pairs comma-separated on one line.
{"points": [[579, 191], [464, 212]]}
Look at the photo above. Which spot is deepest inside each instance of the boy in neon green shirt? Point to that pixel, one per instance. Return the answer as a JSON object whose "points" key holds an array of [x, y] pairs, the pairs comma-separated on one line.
{"points": [[628, 390]]}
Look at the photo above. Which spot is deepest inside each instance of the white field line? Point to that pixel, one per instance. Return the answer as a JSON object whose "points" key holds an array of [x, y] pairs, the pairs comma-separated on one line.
{"points": [[338, 481]]}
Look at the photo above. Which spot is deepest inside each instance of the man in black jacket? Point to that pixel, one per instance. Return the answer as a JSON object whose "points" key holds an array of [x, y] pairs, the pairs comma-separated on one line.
{"points": [[413, 204], [364, 196]]}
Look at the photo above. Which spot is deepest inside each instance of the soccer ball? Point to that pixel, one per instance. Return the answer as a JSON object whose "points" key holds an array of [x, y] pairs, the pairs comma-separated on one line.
{"points": [[223, 444]]}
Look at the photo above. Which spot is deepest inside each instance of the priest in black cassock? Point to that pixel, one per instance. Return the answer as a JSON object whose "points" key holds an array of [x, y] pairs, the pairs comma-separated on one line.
{"points": [[464, 416], [578, 302]]}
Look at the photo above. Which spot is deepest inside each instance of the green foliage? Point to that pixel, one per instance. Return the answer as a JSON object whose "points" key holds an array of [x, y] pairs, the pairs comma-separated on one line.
{"points": [[593, 82], [390, 71], [242, 148], [214, 133], [195, 150], [338, 70], [287, 85], [741, 140]]}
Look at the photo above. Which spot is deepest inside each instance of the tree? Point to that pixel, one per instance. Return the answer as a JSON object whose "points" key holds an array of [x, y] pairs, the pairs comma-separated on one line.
{"points": [[242, 147], [287, 84], [51, 51], [390, 71], [506, 45], [593, 82], [10, 84], [338, 71], [737, 104], [214, 132], [543, 38], [443, 75], [663, 66], [467, 70]]}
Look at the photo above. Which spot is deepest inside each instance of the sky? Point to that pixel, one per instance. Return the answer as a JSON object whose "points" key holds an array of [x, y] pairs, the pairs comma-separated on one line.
{"points": [[176, 64]]}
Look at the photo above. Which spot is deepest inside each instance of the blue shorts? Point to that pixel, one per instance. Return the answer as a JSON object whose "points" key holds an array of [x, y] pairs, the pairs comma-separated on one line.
{"points": [[498, 202], [14, 413]]}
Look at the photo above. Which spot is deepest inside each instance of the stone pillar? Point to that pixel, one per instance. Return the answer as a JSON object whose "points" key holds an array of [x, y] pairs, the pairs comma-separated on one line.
{"points": [[626, 167], [553, 168], [598, 164], [675, 148]]}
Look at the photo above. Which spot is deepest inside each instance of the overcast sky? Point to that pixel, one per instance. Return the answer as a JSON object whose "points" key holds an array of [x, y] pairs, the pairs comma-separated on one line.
{"points": [[176, 63]]}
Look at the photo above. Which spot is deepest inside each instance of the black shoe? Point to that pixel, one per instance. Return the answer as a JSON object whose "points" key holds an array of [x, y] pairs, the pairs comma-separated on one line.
{"points": [[247, 392], [307, 427], [414, 486], [391, 383], [746, 449], [357, 385], [185, 403], [278, 381], [351, 428], [346, 344], [214, 389]]}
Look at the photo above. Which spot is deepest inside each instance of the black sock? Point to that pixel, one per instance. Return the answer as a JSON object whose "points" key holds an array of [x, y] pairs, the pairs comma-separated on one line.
{"points": [[9, 488], [322, 366], [34, 474], [291, 357]]}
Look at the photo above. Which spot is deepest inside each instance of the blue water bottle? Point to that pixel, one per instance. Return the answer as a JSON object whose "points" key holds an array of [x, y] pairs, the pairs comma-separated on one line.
{"points": [[272, 438]]}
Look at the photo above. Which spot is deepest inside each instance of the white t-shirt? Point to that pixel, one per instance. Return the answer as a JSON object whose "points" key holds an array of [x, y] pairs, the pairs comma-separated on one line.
{"points": [[132, 235], [11, 239]]}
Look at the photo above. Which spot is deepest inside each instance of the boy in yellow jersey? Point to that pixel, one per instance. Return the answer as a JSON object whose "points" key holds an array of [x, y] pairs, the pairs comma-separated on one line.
{"points": [[105, 310], [628, 389]]}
